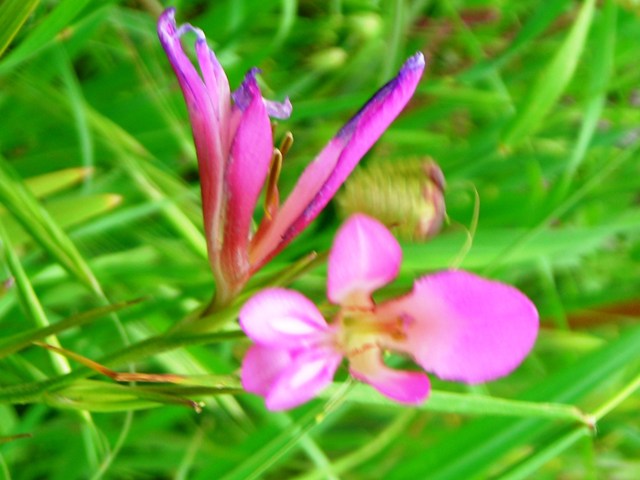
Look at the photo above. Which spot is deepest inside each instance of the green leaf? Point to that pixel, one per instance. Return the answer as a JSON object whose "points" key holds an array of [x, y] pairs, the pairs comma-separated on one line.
{"points": [[551, 81], [563, 245], [47, 184], [98, 396], [532, 463], [59, 18], [21, 340], [264, 458], [545, 14], [28, 298], [67, 213], [600, 66], [26, 209], [13, 14]]}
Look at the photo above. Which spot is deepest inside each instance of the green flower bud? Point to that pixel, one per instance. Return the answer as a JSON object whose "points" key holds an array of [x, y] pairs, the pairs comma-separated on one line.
{"points": [[406, 195]]}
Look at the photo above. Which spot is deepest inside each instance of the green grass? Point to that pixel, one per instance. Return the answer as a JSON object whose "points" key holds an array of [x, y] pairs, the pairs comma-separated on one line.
{"points": [[532, 111]]}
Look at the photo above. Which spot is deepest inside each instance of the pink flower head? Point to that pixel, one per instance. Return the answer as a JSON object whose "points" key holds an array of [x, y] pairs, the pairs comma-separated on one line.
{"points": [[455, 324], [234, 145]]}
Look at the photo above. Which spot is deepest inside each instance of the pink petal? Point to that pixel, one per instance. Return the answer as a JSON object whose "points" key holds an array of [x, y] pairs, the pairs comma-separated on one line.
{"points": [[322, 178], [216, 82], [204, 110], [309, 372], [364, 257], [261, 367], [246, 171], [399, 385], [282, 318], [466, 328], [190, 81]]}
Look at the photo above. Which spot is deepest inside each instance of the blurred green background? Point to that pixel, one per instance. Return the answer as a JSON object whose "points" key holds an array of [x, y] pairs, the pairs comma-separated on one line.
{"points": [[531, 109]]}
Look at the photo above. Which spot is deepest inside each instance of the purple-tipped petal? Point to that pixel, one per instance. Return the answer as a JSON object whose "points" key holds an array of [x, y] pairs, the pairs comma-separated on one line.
{"points": [[310, 371], [364, 257], [282, 318], [190, 81], [246, 172], [322, 178], [243, 95], [208, 136], [400, 385], [216, 82], [465, 328], [279, 110], [261, 367]]}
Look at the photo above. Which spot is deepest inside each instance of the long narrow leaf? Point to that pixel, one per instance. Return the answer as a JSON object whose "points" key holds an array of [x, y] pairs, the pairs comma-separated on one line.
{"points": [[551, 81], [60, 16], [14, 343], [13, 14]]}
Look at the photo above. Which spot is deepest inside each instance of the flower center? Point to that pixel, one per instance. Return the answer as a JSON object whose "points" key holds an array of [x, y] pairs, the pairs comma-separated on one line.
{"points": [[361, 330]]}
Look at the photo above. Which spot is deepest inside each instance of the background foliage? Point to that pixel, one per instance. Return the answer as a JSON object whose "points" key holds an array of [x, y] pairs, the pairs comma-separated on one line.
{"points": [[531, 109]]}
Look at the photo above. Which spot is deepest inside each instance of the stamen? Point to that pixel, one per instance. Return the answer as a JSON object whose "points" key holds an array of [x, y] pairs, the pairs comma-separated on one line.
{"points": [[363, 324], [360, 349], [286, 143], [397, 330], [272, 197], [353, 309]]}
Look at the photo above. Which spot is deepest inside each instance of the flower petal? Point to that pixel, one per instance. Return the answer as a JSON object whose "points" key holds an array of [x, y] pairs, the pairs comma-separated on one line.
{"points": [[283, 318], [261, 366], [243, 95], [322, 178], [465, 328], [245, 174], [310, 371], [190, 81], [364, 257], [216, 81], [399, 385], [204, 112]]}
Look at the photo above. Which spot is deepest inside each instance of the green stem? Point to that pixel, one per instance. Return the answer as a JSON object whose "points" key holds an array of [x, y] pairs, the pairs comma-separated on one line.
{"points": [[618, 398]]}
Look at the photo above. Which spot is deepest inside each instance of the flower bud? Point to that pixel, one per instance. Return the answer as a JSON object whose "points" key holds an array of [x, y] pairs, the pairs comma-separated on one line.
{"points": [[406, 195]]}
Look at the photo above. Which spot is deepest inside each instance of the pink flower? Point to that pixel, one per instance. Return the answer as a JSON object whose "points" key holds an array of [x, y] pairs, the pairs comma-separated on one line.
{"points": [[455, 324], [234, 145]]}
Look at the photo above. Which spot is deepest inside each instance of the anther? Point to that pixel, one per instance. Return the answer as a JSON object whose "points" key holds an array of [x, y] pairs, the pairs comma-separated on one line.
{"points": [[362, 348], [286, 143], [272, 197]]}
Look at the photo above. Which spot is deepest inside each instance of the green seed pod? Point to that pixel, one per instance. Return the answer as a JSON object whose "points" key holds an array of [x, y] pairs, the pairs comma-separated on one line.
{"points": [[406, 195]]}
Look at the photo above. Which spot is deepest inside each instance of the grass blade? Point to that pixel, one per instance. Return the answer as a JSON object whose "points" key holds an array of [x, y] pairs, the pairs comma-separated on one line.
{"points": [[551, 81], [61, 16], [22, 340], [28, 299], [13, 14]]}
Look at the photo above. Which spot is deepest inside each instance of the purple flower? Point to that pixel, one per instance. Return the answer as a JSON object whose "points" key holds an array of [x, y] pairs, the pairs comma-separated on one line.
{"points": [[234, 145], [455, 324]]}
